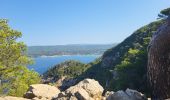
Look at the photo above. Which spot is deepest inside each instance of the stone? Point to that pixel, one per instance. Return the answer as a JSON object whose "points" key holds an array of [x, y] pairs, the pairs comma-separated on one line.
{"points": [[127, 95], [135, 95], [41, 91], [88, 89], [12, 98], [82, 95], [92, 87], [73, 98]]}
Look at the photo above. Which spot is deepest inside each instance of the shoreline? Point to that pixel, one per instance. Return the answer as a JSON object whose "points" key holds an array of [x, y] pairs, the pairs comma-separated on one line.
{"points": [[44, 56]]}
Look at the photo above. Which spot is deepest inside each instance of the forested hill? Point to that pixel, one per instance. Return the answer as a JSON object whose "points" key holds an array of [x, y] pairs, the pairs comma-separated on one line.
{"points": [[76, 49], [123, 66]]}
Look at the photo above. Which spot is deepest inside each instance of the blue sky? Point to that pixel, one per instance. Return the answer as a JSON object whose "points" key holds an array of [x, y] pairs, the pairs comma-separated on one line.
{"points": [[55, 22]]}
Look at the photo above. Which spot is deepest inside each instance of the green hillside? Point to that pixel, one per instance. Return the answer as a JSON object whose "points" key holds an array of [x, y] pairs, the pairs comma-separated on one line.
{"points": [[125, 65], [120, 67]]}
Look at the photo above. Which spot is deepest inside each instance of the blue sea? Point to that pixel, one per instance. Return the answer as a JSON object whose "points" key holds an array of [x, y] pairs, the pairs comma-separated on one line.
{"points": [[43, 63]]}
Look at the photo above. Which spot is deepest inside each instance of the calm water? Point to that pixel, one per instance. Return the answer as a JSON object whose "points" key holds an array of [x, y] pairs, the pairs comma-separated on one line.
{"points": [[42, 64]]}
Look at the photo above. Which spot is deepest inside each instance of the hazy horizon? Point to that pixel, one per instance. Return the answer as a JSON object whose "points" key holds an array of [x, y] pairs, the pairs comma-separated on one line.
{"points": [[72, 44]]}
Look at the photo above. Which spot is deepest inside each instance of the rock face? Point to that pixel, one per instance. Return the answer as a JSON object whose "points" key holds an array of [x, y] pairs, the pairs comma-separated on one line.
{"points": [[12, 98], [127, 95], [39, 91], [159, 62], [87, 89]]}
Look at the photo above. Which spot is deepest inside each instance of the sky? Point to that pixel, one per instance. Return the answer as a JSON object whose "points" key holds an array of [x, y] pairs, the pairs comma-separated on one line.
{"points": [[59, 22]]}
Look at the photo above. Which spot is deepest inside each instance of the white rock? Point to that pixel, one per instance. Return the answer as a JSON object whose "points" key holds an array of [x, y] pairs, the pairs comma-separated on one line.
{"points": [[91, 86], [12, 98], [42, 91]]}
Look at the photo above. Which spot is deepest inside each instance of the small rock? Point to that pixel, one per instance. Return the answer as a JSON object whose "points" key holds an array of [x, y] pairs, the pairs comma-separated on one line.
{"points": [[127, 95]]}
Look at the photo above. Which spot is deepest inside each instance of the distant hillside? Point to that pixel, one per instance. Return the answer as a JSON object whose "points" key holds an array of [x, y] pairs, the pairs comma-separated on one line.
{"points": [[76, 49]]}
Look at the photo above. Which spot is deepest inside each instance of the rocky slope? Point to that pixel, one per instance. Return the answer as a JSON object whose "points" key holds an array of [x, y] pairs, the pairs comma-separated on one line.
{"points": [[88, 89]]}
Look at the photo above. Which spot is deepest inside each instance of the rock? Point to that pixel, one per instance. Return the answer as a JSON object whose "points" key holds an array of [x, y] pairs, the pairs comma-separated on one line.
{"points": [[108, 95], [61, 98], [61, 94], [88, 89], [92, 87], [41, 91], [40, 98], [64, 83], [12, 98], [135, 95], [78, 92], [159, 62], [119, 95], [73, 98], [82, 95], [127, 95]]}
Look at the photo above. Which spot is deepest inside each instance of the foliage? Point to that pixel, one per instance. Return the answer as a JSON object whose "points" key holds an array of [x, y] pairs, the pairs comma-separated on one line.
{"points": [[15, 77], [126, 63], [164, 13], [71, 69]]}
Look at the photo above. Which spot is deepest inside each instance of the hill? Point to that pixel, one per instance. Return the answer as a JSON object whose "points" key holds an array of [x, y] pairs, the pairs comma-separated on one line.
{"points": [[123, 66], [76, 49]]}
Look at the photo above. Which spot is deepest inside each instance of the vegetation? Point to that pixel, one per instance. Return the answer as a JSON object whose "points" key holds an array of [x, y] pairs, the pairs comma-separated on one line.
{"points": [[164, 13], [70, 69], [124, 66], [14, 76]]}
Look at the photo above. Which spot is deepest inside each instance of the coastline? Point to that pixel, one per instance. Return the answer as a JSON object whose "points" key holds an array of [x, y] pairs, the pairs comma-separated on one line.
{"points": [[44, 56]]}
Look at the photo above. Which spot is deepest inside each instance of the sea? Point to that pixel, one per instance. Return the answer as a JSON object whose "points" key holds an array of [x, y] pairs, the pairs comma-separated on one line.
{"points": [[43, 63]]}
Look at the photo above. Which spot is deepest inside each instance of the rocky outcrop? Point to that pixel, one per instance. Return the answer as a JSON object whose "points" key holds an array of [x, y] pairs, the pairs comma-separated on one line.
{"points": [[88, 89], [159, 62], [41, 91], [126, 95]]}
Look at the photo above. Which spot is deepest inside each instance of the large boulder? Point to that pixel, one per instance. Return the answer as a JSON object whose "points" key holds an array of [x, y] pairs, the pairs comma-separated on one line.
{"points": [[159, 62], [40, 91], [88, 89], [127, 95], [92, 87], [12, 98]]}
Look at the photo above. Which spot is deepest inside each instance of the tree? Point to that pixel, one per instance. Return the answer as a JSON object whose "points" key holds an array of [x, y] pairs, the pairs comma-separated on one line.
{"points": [[15, 77], [159, 62], [164, 13]]}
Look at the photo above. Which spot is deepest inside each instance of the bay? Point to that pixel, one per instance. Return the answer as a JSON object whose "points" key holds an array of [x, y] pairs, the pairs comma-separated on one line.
{"points": [[43, 63]]}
